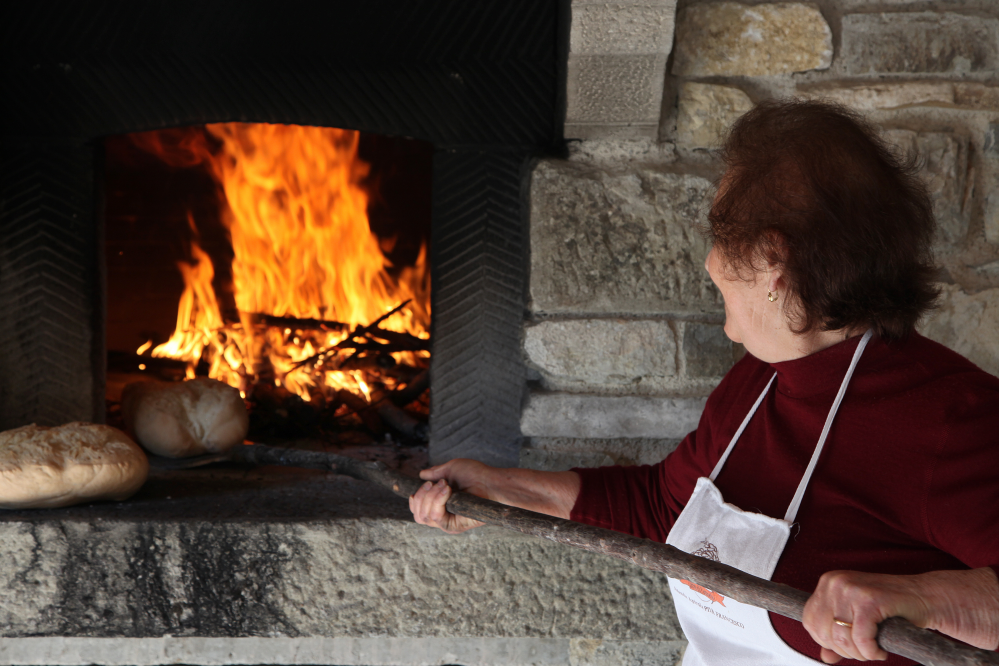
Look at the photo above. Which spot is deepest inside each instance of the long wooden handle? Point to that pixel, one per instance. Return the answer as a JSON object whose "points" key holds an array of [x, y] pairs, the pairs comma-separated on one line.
{"points": [[894, 634]]}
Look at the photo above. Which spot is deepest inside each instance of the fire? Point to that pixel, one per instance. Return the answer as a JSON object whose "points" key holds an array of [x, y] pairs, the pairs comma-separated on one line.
{"points": [[296, 212]]}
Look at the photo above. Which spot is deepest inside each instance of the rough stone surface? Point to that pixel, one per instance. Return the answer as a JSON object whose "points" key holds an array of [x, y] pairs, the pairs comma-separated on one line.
{"points": [[991, 221], [945, 170], [590, 416], [967, 323], [614, 89], [340, 559], [732, 39], [976, 96], [707, 350], [560, 461], [622, 451], [705, 113], [616, 68], [382, 651], [618, 241], [621, 153], [988, 270], [886, 95], [918, 42], [595, 354], [604, 653], [622, 28]]}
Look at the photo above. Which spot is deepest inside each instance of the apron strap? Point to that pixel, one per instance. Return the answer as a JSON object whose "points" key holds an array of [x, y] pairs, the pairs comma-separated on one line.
{"points": [[792, 510], [738, 433]]}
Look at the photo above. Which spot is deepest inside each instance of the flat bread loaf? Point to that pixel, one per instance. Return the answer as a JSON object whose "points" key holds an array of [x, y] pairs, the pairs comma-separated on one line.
{"points": [[44, 468], [181, 419]]}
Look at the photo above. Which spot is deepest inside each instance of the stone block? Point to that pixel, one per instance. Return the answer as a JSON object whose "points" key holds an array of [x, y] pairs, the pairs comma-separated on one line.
{"points": [[705, 113], [732, 39], [976, 96], [991, 221], [945, 160], [621, 28], [620, 451], [560, 461], [595, 354], [610, 417], [918, 42], [707, 350], [968, 324], [886, 95], [609, 89], [618, 241]]}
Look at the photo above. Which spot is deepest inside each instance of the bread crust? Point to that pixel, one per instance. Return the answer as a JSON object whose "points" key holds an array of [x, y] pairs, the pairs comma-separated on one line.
{"points": [[43, 468], [181, 419]]}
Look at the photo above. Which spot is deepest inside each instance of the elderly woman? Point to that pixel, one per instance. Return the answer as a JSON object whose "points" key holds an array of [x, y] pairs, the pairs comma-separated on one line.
{"points": [[845, 454]]}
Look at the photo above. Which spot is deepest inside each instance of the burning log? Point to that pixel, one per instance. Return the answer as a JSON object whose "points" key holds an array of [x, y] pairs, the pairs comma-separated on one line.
{"points": [[369, 414], [161, 368], [401, 422], [365, 339], [294, 323]]}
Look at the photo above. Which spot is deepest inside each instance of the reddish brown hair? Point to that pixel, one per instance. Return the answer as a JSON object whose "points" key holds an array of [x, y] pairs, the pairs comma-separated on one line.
{"points": [[812, 188]]}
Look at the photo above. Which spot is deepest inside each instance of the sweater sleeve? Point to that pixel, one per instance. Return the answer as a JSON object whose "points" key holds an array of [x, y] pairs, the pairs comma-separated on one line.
{"points": [[634, 500]]}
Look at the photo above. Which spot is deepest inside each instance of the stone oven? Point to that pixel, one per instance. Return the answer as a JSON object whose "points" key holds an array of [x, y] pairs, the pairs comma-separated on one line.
{"points": [[479, 84], [574, 153]]}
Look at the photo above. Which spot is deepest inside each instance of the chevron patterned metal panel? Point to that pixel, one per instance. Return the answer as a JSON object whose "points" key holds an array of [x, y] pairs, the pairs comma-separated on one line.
{"points": [[51, 331], [479, 242]]}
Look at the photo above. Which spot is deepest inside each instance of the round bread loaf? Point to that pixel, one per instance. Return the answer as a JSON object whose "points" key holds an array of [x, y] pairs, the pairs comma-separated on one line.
{"points": [[43, 468], [180, 419]]}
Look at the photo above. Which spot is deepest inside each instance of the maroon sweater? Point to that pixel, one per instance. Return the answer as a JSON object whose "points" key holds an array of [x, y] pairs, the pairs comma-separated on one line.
{"points": [[908, 481]]}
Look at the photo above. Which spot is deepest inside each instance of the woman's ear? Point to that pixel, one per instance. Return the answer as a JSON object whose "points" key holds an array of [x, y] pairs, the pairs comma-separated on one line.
{"points": [[775, 280], [774, 277], [774, 254]]}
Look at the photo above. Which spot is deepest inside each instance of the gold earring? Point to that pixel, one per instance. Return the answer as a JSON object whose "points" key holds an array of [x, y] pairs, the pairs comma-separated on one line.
{"points": [[771, 296]]}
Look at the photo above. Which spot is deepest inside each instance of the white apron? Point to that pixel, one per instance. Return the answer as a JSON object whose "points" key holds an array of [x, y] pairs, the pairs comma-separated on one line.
{"points": [[722, 631]]}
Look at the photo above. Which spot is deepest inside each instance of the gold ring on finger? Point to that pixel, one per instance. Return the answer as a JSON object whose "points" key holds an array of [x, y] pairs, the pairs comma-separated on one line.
{"points": [[842, 623]]}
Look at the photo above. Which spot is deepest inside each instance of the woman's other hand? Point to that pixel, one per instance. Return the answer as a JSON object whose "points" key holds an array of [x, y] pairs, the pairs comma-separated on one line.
{"points": [[551, 493], [428, 503], [960, 604]]}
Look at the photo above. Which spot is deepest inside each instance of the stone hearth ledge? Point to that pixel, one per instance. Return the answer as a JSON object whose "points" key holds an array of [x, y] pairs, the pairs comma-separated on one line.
{"points": [[270, 565], [342, 651]]}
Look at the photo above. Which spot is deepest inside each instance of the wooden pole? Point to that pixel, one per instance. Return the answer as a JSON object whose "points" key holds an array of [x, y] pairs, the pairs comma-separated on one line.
{"points": [[894, 634]]}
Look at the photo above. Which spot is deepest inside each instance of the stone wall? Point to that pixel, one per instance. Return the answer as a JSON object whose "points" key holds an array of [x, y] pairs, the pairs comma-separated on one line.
{"points": [[623, 336]]}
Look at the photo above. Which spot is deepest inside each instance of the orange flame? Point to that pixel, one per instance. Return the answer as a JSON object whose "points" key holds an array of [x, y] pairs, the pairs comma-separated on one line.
{"points": [[296, 212]]}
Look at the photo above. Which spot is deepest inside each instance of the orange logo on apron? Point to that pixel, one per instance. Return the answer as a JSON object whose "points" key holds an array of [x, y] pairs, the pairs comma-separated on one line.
{"points": [[705, 592]]}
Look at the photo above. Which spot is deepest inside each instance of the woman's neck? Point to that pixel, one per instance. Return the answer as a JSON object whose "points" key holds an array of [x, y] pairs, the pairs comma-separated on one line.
{"points": [[787, 345]]}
